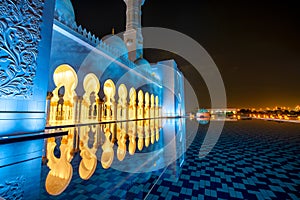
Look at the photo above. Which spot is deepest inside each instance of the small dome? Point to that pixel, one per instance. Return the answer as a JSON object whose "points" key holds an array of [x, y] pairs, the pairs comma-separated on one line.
{"points": [[64, 9], [202, 110], [117, 43], [142, 62]]}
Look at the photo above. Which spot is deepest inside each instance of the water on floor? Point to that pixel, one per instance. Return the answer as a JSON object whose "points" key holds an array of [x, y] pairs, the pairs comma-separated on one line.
{"points": [[160, 159]]}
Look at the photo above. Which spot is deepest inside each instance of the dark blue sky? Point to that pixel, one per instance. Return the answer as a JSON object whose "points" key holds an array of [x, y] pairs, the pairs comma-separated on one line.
{"points": [[255, 44]]}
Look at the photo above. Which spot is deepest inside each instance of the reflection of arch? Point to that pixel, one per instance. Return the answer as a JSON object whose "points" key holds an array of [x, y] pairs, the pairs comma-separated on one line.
{"points": [[107, 156], [140, 129], [91, 86], [61, 171], [109, 90], [147, 133], [132, 137], [88, 162], [152, 131], [61, 105]]}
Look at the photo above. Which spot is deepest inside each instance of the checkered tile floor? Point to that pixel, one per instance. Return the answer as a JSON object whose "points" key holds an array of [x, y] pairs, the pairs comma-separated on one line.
{"points": [[252, 160]]}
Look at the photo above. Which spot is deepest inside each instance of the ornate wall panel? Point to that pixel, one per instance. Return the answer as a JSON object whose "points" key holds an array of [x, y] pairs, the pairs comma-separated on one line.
{"points": [[20, 22]]}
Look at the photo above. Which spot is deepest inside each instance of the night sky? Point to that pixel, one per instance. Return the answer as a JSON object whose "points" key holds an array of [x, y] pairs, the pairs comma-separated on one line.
{"points": [[255, 44]]}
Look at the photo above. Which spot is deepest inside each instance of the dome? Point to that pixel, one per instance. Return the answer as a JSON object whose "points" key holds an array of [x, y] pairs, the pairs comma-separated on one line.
{"points": [[142, 62], [64, 9], [117, 43], [202, 110]]}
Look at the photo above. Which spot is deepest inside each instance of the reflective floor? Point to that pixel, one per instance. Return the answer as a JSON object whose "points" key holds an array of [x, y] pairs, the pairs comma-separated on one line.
{"points": [[251, 160], [162, 159]]}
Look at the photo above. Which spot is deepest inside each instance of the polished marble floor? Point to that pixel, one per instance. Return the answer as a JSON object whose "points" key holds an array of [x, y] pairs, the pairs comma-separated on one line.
{"points": [[253, 159]]}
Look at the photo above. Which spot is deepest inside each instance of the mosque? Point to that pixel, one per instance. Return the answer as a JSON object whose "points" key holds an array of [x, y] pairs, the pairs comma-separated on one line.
{"points": [[57, 79], [55, 72]]}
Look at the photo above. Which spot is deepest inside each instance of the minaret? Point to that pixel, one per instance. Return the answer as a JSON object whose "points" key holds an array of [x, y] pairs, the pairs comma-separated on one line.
{"points": [[133, 35]]}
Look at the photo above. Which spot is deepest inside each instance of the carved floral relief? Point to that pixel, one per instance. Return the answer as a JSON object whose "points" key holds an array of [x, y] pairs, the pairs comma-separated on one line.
{"points": [[20, 22]]}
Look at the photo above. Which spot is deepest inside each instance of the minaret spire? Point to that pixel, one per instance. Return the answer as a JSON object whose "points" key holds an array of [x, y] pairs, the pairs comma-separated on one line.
{"points": [[113, 31], [133, 35]]}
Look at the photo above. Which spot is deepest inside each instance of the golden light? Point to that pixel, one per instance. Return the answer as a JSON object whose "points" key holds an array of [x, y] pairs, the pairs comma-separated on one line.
{"points": [[286, 117]]}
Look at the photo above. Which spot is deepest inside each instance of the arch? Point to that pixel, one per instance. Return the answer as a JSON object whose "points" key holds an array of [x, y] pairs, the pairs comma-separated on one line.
{"points": [[122, 103], [140, 111], [65, 75], [91, 83], [132, 104], [147, 105], [91, 86], [61, 104], [122, 92], [152, 107], [109, 90]]}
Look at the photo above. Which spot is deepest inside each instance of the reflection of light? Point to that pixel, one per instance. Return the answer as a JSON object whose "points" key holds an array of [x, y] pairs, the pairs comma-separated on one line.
{"points": [[61, 170], [107, 156], [203, 120], [181, 163], [140, 144]]}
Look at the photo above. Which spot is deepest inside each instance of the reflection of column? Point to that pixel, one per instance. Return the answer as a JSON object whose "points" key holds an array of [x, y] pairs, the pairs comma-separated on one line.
{"points": [[140, 127], [147, 133], [99, 111], [121, 151], [113, 131], [157, 124], [76, 138], [152, 131], [107, 156], [118, 131], [132, 137]]}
